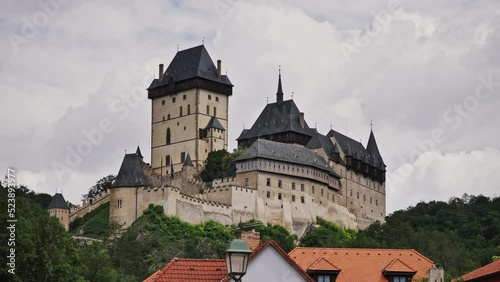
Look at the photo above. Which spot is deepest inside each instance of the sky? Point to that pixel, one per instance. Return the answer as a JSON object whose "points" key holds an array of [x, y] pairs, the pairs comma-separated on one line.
{"points": [[425, 73]]}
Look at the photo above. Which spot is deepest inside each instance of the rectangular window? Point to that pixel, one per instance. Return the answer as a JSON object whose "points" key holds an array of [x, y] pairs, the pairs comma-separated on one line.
{"points": [[323, 278], [370, 200], [302, 187], [399, 279], [209, 97], [376, 202], [268, 194], [312, 190], [293, 198], [180, 111], [183, 157], [184, 97], [167, 160], [268, 182], [293, 185], [351, 192], [119, 204], [357, 195], [279, 184], [208, 110], [364, 198], [302, 199], [168, 116], [215, 111], [162, 102], [247, 181], [173, 99], [216, 99], [279, 196]]}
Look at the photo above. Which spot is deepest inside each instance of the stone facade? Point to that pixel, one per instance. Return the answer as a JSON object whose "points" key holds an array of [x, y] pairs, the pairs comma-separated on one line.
{"points": [[62, 215]]}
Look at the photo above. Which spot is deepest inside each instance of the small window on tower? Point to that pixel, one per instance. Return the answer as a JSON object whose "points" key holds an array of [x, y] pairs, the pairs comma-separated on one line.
{"points": [[279, 183], [293, 185], [173, 99], [279, 196], [119, 205], [268, 182], [183, 157], [302, 200], [216, 99], [162, 102], [208, 110], [268, 194], [293, 198], [302, 187], [209, 97], [189, 109], [215, 111], [184, 97], [180, 111]]}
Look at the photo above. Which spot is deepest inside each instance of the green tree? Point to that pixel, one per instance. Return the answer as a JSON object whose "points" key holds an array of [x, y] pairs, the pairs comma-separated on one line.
{"points": [[213, 166], [228, 164], [102, 185], [328, 235]]}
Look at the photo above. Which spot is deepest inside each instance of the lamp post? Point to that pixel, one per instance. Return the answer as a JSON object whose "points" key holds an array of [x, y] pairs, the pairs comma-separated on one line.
{"points": [[237, 259]]}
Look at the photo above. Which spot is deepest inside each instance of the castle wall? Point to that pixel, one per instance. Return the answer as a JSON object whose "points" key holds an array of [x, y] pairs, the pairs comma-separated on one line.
{"points": [[89, 206]]}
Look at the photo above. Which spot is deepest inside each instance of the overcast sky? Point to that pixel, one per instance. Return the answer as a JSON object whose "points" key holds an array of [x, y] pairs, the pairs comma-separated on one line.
{"points": [[426, 72]]}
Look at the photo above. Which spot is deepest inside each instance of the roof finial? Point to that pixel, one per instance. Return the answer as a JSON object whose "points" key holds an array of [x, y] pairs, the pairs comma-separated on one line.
{"points": [[292, 94], [371, 125], [243, 125], [267, 100], [279, 94], [331, 127], [315, 125], [203, 41], [177, 47]]}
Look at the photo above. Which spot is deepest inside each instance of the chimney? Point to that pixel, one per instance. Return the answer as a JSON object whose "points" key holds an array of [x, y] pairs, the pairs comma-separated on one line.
{"points": [[252, 239], [301, 120], [161, 72], [436, 274], [219, 68]]}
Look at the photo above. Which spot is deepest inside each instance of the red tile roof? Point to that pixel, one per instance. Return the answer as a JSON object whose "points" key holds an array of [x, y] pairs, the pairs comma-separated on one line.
{"points": [[204, 270], [484, 272], [364, 264], [323, 264], [398, 266]]}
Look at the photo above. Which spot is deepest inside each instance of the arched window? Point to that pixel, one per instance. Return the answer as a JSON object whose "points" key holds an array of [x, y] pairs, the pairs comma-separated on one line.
{"points": [[168, 136], [180, 111], [208, 110], [189, 109]]}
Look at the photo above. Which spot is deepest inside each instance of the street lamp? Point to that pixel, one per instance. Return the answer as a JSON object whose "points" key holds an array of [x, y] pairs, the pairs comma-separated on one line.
{"points": [[237, 259]]}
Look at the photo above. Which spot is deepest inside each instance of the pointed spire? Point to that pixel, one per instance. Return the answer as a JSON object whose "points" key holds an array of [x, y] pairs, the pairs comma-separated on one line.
{"points": [[188, 161], [279, 94], [372, 148], [138, 152]]}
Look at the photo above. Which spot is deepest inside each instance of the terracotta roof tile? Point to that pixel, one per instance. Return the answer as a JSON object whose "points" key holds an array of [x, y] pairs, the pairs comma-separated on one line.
{"points": [[487, 270], [362, 264], [205, 270], [398, 266], [323, 264]]}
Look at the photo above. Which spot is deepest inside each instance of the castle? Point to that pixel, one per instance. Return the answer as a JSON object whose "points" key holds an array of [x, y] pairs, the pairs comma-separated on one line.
{"points": [[289, 173]]}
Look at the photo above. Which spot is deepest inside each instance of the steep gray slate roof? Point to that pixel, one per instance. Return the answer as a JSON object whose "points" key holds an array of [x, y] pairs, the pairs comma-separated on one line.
{"points": [[372, 148], [131, 173], [58, 202], [321, 141], [288, 153], [356, 150], [277, 118], [214, 123], [188, 161], [191, 63]]}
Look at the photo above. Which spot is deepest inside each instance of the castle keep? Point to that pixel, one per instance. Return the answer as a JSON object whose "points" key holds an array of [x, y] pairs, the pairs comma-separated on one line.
{"points": [[288, 175]]}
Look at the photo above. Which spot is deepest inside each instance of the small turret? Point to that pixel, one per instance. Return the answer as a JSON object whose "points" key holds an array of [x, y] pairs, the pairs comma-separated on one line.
{"points": [[59, 208]]}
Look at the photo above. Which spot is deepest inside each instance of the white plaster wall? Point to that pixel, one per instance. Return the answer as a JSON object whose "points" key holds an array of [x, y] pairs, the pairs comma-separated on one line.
{"points": [[269, 265]]}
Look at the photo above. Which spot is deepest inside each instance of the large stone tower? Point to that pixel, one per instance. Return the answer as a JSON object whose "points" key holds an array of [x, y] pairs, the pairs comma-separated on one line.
{"points": [[59, 208], [189, 111]]}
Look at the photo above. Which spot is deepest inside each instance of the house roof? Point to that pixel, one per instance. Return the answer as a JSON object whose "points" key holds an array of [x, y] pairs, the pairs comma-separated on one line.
{"points": [[289, 153], [398, 266], [488, 270], [188, 161], [271, 243], [58, 202], [322, 264], [191, 63], [131, 173], [356, 150], [320, 141], [276, 118], [203, 270], [215, 123], [362, 264]]}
